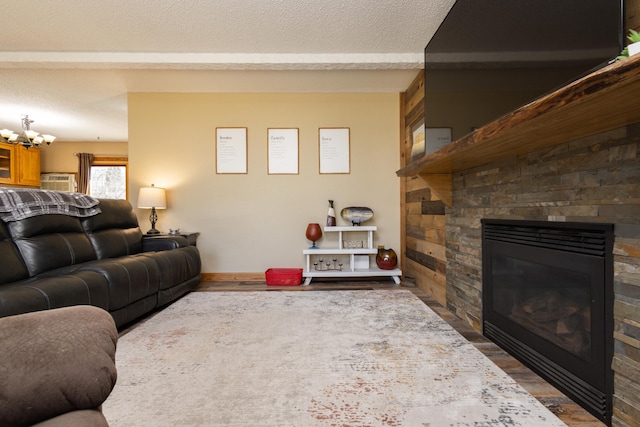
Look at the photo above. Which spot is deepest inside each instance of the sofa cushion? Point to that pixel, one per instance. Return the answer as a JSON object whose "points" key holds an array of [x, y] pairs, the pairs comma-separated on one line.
{"points": [[11, 266], [130, 278], [115, 231], [133, 311], [47, 243], [176, 266], [53, 290]]}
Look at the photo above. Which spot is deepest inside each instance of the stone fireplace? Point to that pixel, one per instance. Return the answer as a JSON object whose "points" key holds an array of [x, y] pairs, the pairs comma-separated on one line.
{"points": [[591, 180]]}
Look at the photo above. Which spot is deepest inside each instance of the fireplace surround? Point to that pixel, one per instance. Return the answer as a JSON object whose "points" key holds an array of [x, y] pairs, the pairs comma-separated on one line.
{"points": [[548, 300], [573, 157]]}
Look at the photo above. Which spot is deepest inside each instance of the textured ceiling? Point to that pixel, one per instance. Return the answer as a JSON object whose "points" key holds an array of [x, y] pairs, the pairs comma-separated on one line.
{"points": [[69, 63]]}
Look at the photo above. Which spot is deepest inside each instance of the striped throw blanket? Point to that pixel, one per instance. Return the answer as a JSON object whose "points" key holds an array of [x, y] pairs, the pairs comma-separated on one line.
{"points": [[21, 203]]}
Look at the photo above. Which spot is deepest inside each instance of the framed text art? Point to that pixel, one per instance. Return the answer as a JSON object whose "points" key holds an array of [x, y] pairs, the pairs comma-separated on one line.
{"points": [[231, 150], [436, 138], [282, 151], [417, 140], [334, 148]]}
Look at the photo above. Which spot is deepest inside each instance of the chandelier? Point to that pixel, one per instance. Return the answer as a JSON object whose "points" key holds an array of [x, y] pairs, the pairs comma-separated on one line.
{"points": [[28, 137]]}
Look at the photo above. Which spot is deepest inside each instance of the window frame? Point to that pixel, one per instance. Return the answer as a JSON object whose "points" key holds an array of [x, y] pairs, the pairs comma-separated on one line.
{"points": [[114, 161]]}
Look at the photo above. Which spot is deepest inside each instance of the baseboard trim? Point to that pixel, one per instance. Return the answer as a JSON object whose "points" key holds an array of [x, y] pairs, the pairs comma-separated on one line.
{"points": [[232, 277]]}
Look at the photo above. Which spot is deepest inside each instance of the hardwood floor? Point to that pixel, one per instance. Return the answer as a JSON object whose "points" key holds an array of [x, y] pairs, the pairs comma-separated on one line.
{"points": [[564, 408]]}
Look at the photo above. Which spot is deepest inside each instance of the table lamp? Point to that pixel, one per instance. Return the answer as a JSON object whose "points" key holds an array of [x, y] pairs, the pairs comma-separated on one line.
{"points": [[152, 198]]}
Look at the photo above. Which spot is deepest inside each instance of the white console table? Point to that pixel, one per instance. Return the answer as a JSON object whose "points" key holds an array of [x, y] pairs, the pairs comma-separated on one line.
{"points": [[359, 258]]}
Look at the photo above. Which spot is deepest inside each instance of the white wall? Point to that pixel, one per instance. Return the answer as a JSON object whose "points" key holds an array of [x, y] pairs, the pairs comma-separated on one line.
{"points": [[254, 221]]}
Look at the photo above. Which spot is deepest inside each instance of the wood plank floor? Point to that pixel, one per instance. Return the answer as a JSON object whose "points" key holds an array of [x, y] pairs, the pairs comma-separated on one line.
{"points": [[564, 408]]}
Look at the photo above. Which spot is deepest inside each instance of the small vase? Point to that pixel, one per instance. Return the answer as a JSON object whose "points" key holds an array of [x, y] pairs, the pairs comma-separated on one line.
{"points": [[314, 233], [386, 259], [331, 215]]}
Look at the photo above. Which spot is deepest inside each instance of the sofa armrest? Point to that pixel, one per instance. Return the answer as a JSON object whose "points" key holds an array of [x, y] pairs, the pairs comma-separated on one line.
{"points": [[163, 243], [54, 362]]}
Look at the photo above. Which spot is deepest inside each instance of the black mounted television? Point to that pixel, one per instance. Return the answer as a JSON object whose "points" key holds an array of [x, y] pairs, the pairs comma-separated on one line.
{"points": [[489, 57]]}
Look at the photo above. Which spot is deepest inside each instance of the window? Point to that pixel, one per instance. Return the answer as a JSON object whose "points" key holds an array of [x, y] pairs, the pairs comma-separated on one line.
{"points": [[109, 177]]}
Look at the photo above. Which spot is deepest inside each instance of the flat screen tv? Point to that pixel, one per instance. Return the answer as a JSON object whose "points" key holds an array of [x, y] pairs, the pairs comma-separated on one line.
{"points": [[489, 57]]}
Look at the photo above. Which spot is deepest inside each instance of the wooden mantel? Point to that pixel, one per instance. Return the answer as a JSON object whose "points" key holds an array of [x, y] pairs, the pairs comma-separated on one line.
{"points": [[606, 99]]}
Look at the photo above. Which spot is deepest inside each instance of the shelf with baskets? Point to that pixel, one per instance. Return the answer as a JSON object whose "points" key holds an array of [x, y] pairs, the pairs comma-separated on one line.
{"points": [[329, 262]]}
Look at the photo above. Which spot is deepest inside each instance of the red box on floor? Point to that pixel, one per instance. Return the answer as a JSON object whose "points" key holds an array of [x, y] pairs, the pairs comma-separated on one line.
{"points": [[284, 276]]}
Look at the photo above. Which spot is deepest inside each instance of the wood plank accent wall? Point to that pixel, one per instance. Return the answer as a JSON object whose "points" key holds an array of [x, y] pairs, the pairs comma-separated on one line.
{"points": [[423, 213]]}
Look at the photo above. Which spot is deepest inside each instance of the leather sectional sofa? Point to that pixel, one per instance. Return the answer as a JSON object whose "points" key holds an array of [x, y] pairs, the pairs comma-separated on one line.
{"points": [[53, 260]]}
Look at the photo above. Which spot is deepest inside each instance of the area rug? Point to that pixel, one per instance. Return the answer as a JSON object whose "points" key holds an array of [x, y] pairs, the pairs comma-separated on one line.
{"points": [[340, 358]]}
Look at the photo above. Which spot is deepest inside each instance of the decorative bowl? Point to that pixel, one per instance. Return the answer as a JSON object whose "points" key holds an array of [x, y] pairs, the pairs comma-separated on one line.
{"points": [[356, 215]]}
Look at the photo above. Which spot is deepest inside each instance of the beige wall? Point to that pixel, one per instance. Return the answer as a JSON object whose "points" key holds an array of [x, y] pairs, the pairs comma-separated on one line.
{"points": [[254, 221], [60, 156]]}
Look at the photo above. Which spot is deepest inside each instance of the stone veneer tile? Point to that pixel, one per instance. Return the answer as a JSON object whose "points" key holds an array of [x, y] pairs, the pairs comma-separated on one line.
{"points": [[624, 153], [576, 211], [628, 231], [626, 309], [628, 369], [628, 331], [627, 213], [627, 290], [626, 412]]}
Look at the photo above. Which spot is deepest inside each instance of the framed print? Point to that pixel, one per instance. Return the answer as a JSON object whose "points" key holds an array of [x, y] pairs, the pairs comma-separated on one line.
{"points": [[334, 148], [417, 140], [436, 138], [231, 150], [282, 151]]}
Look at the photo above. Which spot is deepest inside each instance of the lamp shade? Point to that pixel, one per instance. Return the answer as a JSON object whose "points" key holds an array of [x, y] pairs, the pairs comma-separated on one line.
{"points": [[152, 197]]}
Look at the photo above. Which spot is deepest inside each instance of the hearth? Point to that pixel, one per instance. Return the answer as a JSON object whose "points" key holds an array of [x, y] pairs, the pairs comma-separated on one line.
{"points": [[548, 301]]}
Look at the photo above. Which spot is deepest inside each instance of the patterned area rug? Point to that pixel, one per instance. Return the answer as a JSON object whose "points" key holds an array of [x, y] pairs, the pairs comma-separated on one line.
{"points": [[340, 358]]}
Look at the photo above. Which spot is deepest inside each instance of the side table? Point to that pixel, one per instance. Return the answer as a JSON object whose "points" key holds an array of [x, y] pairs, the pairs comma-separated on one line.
{"points": [[191, 237]]}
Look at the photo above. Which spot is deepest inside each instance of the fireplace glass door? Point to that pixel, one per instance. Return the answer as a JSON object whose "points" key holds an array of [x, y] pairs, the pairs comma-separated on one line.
{"points": [[547, 300]]}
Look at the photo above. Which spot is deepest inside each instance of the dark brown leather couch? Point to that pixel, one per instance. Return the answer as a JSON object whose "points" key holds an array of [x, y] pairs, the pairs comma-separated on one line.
{"points": [[55, 260]]}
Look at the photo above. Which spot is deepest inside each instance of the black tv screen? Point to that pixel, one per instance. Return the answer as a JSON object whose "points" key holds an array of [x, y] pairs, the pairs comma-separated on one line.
{"points": [[489, 57]]}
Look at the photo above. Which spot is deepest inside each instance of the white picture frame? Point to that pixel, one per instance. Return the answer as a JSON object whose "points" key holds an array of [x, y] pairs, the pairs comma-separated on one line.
{"points": [[436, 138], [334, 150], [231, 150], [283, 151], [417, 140]]}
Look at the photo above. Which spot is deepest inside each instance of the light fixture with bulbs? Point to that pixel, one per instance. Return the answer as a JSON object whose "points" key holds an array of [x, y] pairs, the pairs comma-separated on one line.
{"points": [[28, 137]]}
